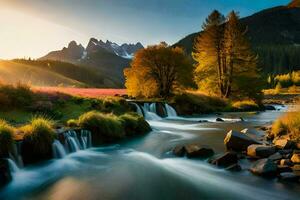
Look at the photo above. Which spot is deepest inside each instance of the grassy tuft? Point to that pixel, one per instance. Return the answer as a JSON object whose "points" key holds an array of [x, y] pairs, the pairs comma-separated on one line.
{"points": [[104, 127], [37, 141], [72, 123], [245, 105], [6, 138], [289, 123], [134, 124]]}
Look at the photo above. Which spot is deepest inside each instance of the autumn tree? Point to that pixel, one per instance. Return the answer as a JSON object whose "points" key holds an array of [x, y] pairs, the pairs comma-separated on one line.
{"points": [[225, 61], [157, 71]]}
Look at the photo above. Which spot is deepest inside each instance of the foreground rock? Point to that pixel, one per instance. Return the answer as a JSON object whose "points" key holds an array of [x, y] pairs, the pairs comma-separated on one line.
{"points": [[288, 176], [296, 158], [283, 143], [238, 141], [264, 167], [5, 175], [225, 160], [193, 151], [260, 151]]}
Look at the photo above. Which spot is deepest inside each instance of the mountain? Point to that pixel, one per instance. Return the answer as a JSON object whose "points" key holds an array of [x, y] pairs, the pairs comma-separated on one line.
{"points": [[274, 34], [106, 57], [51, 73]]}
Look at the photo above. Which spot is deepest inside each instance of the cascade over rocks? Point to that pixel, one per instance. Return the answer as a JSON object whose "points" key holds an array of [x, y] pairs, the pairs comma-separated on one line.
{"points": [[238, 141]]}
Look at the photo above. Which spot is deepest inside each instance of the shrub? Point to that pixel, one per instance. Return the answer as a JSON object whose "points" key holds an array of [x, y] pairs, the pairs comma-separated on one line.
{"points": [[278, 88], [289, 123], [292, 89], [37, 141], [134, 124], [104, 127], [6, 138], [72, 123], [15, 96], [245, 105]]}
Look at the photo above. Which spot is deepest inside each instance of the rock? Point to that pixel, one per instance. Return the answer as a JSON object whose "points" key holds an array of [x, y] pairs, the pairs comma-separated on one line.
{"points": [[235, 168], [284, 168], [195, 151], [269, 107], [264, 167], [237, 141], [203, 121], [296, 167], [288, 176], [260, 151], [219, 120], [179, 151], [283, 143], [295, 158], [287, 162], [275, 156], [285, 151], [5, 174], [225, 160]]}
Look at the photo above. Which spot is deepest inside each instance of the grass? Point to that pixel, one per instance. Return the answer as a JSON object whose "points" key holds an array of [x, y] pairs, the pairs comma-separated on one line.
{"points": [[104, 127], [134, 124], [288, 124], [37, 140], [245, 105], [6, 138]]}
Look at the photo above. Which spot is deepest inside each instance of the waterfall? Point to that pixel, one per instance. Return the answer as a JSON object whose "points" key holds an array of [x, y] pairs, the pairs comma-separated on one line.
{"points": [[150, 115], [138, 109], [152, 107], [58, 149], [171, 112], [72, 143], [75, 136], [12, 166]]}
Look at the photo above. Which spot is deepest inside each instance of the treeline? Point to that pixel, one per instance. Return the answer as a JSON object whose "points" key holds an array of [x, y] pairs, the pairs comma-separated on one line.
{"points": [[79, 73], [278, 59], [285, 80]]}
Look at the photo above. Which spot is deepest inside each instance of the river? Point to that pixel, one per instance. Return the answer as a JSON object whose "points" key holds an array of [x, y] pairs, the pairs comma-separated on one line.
{"points": [[144, 168]]}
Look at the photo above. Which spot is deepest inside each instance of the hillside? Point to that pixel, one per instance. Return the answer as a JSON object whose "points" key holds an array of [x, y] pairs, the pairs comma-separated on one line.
{"points": [[51, 73], [274, 34]]}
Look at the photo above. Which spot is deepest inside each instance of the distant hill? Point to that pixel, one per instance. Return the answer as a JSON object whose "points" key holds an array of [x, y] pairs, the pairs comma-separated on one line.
{"points": [[105, 57], [51, 73], [274, 34]]}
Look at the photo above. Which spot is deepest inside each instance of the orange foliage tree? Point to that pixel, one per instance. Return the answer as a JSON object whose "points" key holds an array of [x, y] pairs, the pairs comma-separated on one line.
{"points": [[157, 71]]}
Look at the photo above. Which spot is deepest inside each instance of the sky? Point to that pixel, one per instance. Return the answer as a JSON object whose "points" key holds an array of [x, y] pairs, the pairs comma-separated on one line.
{"points": [[32, 28]]}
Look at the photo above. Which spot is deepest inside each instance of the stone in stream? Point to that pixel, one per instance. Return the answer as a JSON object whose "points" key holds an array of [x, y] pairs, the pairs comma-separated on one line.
{"points": [[283, 143], [219, 119], [287, 162], [264, 167], [269, 107], [195, 151], [288, 176], [295, 158], [284, 168], [225, 160], [234, 168], [5, 174], [296, 167], [238, 141], [260, 151], [275, 156], [179, 151]]}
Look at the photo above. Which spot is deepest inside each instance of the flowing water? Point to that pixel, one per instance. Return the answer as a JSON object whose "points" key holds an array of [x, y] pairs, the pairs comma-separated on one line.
{"points": [[143, 168]]}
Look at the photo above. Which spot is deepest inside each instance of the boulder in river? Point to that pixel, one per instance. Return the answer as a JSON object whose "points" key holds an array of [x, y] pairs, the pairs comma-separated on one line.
{"points": [[275, 156], [225, 160], [260, 151], [179, 151], [5, 174], [295, 158], [219, 119], [283, 143], [288, 176], [283, 168], [264, 167], [234, 168], [287, 162], [269, 107], [238, 141], [196, 151]]}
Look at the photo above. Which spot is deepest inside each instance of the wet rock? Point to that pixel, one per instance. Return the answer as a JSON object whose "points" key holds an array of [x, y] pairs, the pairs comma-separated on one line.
{"points": [[275, 156], [269, 107], [264, 167], [234, 168], [5, 174], [288, 176], [195, 151], [219, 120], [296, 167], [284, 168], [179, 151], [238, 141], [283, 143], [225, 160], [287, 162], [295, 158], [203, 121], [260, 151], [285, 151]]}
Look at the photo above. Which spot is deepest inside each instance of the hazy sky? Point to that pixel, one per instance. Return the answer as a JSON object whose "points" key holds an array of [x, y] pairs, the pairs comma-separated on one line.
{"points": [[35, 27]]}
